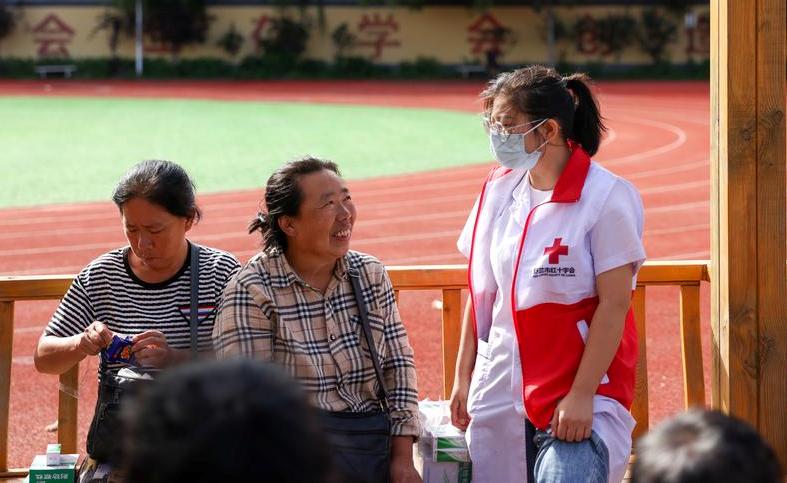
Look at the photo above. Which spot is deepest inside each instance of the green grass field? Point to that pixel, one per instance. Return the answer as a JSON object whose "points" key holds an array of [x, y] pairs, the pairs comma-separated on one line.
{"points": [[55, 150]]}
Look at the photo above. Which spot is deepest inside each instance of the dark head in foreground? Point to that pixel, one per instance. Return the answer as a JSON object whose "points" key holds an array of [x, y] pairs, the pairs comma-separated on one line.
{"points": [[232, 420], [704, 446]]}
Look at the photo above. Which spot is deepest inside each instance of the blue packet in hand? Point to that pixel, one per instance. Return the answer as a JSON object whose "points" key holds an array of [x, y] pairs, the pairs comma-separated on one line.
{"points": [[119, 350]]}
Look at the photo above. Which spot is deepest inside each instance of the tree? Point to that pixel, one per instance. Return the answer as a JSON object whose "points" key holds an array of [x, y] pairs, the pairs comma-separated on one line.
{"points": [[174, 23], [113, 22], [657, 32], [7, 21], [287, 38], [231, 41], [342, 39], [616, 32]]}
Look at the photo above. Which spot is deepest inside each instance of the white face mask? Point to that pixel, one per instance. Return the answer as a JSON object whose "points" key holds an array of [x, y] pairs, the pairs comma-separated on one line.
{"points": [[509, 149]]}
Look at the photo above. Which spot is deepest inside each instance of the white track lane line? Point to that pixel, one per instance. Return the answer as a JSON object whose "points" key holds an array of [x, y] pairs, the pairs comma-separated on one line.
{"points": [[231, 236], [471, 182], [698, 255], [610, 138], [692, 116], [680, 140], [692, 185], [671, 170], [230, 220], [676, 229], [444, 258], [110, 228]]}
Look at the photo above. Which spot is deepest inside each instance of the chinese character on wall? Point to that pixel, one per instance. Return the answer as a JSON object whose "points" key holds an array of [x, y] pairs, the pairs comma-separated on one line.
{"points": [[487, 36], [376, 33], [52, 35], [262, 25]]}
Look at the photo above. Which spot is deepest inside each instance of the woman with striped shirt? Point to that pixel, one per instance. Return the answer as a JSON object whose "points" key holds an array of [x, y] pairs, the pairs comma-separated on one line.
{"points": [[142, 290]]}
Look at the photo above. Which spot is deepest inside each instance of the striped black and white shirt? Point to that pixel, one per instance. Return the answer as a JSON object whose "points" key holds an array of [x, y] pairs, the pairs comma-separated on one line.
{"points": [[107, 290]]}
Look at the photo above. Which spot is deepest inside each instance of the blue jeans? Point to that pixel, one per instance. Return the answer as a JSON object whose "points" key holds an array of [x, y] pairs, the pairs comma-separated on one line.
{"points": [[563, 462]]}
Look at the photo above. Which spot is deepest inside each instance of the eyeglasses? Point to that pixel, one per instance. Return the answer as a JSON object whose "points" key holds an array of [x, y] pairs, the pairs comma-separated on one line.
{"points": [[496, 128]]}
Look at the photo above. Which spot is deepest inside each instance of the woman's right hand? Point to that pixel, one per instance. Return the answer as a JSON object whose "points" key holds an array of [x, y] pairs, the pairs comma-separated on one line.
{"points": [[459, 415], [95, 337]]}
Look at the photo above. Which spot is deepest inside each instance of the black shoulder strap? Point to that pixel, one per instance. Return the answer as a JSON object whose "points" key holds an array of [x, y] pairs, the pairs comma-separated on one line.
{"points": [[194, 307], [367, 332]]}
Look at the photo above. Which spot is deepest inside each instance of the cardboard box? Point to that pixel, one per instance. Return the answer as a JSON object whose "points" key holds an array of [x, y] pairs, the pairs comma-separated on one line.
{"points": [[441, 454], [65, 472], [53, 454]]}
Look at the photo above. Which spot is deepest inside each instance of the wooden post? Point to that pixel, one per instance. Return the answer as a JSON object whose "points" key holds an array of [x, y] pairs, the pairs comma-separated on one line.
{"points": [[691, 346], [452, 329], [640, 407], [749, 315], [6, 344], [67, 408]]}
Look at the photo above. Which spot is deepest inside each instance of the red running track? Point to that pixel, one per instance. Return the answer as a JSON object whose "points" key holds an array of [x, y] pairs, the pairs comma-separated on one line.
{"points": [[658, 139]]}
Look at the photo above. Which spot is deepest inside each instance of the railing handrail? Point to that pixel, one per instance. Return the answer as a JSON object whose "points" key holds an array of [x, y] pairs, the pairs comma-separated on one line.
{"points": [[403, 277]]}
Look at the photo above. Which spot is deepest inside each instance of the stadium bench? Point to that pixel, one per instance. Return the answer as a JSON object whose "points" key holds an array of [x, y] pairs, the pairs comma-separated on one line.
{"points": [[65, 69], [466, 69]]}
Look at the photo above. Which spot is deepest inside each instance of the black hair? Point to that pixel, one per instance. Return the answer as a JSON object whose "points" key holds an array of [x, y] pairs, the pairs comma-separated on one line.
{"points": [[541, 93], [162, 183], [224, 421], [699, 446], [283, 197]]}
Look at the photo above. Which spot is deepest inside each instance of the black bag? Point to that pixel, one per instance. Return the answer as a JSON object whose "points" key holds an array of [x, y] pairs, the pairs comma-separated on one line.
{"points": [[361, 442], [105, 436]]}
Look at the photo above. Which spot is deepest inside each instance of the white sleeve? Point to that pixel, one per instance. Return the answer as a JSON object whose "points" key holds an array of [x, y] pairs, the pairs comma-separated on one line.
{"points": [[616, 237], [466, 237]]}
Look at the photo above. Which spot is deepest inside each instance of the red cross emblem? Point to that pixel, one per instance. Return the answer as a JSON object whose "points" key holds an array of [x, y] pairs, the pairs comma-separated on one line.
{"points": [[555, 251]]}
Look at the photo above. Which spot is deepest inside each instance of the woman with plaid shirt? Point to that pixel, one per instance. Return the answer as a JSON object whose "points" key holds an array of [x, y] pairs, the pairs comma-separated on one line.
{"points": [[294, 304]]}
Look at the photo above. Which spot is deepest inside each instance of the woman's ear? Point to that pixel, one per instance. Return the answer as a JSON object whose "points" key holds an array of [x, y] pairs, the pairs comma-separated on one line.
{"points": [[287, 225], [551, 131]]}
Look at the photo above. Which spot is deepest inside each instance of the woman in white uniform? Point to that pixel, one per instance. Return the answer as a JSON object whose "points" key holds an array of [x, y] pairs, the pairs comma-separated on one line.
{"points": [[545, 372]]}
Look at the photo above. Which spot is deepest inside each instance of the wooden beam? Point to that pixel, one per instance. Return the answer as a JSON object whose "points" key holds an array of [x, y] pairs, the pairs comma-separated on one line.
{"points": [[418, 277], [748, 214], [42, 287]]}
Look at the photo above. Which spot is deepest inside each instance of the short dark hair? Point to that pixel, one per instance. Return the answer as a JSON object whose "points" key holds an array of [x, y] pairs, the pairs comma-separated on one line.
{"points": [[225, 421], [699, 446], [283, 197], [542, 93], [162, 183]]}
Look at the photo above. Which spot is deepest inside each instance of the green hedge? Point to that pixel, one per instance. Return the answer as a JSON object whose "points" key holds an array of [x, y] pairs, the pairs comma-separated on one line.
{"points": [[275, 67]]}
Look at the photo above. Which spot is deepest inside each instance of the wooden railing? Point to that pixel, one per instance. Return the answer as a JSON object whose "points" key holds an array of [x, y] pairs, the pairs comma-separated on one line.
{"points": [[451, 280]]}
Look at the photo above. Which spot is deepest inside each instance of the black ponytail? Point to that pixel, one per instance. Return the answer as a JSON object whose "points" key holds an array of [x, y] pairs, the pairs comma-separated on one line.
{"points": [[588, 126], [541, 93]]}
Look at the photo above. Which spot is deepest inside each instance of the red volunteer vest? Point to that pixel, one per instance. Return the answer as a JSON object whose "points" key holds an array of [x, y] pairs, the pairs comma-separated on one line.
{"points": [[553, 295]]}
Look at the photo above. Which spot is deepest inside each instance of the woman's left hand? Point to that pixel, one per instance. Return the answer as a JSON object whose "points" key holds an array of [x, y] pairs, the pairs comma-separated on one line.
{"points": [[573, 417], [151, 349], [402, 469], [404, 472]]}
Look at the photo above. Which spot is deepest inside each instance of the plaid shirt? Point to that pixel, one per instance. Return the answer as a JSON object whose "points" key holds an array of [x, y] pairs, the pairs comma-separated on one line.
{"points": [[268, 312]]}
